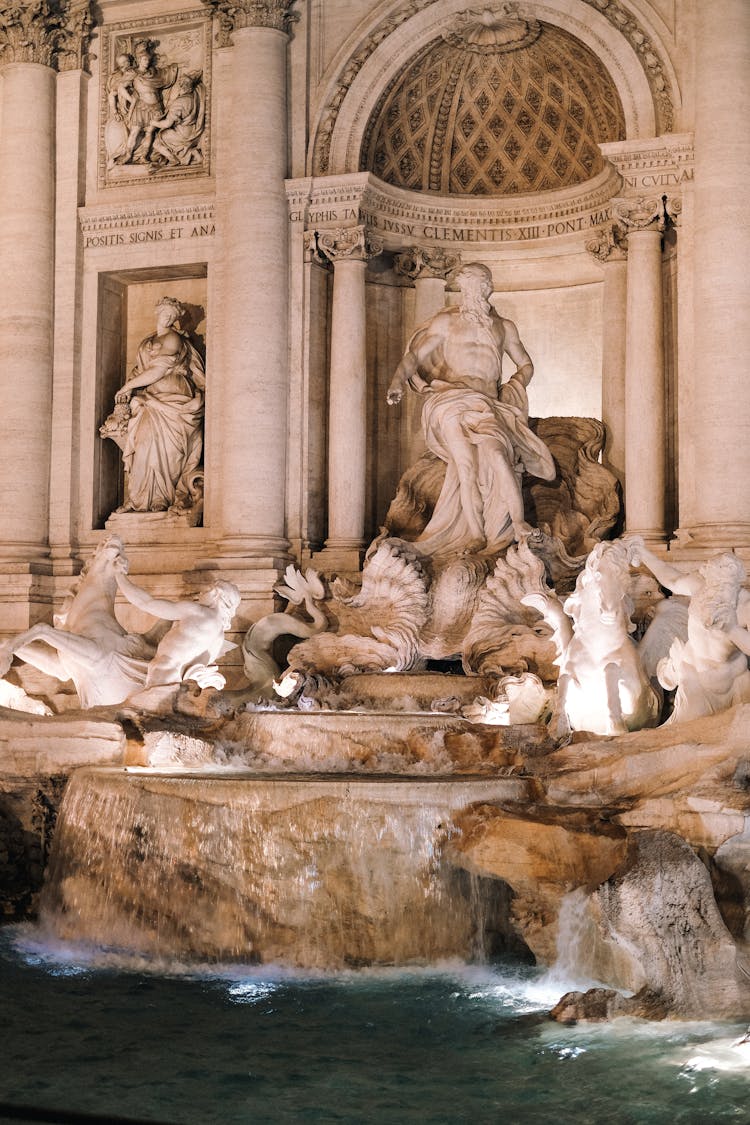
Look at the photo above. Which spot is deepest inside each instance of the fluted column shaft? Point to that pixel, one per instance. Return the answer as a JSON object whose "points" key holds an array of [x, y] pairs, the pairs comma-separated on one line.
{"points": [[255, 346], [720, 449], [645, 470], [27, 246]]}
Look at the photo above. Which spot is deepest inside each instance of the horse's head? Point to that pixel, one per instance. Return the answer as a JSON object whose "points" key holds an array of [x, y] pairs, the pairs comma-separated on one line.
{"points": [[602, 590]]}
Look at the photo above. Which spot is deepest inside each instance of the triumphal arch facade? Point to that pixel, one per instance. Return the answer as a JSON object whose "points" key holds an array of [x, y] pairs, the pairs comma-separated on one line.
{"points": [[221, 222]]}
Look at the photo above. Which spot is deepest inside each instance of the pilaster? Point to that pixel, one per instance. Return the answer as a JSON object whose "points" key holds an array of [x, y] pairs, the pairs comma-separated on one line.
{"points": [[719, 405]]}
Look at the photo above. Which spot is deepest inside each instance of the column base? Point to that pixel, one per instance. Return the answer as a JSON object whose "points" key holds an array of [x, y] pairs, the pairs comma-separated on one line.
{"points": [[26, 599], [718, 536], [340, 556], [652, 536]]}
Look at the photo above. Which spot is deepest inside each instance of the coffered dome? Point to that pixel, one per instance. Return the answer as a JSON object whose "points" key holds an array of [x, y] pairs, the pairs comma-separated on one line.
{"points": [[496, 106]]}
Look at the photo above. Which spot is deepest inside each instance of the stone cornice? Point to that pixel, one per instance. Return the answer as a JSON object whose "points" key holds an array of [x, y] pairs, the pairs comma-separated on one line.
{"points": [[95, 220], [391, 212], [236, 14], [54, 33], [661, 163]]}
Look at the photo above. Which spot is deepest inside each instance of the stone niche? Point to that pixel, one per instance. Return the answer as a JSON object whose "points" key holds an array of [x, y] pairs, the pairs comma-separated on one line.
{"points": [[126, 315]]}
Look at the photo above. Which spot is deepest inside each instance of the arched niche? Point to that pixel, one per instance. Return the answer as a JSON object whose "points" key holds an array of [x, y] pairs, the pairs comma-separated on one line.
{"points": [[372, 60]]}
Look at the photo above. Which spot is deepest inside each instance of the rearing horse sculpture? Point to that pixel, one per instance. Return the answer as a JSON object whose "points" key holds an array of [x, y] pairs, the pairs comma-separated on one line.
{"points": [[602, 686], [87, 644]]}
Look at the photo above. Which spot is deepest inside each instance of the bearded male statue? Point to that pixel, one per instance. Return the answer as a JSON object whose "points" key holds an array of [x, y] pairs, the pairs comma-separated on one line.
{"points": [[472, 421]]}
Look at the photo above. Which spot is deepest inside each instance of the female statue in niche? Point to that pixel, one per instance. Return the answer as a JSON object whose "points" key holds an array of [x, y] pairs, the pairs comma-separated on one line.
{"points": [[158, 418]]}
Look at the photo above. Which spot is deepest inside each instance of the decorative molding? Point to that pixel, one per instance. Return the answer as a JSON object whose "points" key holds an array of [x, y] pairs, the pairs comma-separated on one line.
{"points": [[609, 244], [425, 261], [236, 14], [648, 165], [406, 219], [386, 27], [648, 55], [54, 33], [79, 24], [492, 31], [123, 226], [348, 243], [643, 213], [621, 19]]}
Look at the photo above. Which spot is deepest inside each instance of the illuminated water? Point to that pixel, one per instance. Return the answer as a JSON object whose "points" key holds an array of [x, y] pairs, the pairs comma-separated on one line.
{"points": [[163, 1043]]}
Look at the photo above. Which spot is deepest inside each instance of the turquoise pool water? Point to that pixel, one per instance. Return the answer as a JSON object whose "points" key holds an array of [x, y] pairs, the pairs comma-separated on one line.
{"points": [[91, 1033]]}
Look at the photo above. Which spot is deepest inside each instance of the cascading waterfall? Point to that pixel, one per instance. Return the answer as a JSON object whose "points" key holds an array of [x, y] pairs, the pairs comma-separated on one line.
{"points": [[320, 873]]}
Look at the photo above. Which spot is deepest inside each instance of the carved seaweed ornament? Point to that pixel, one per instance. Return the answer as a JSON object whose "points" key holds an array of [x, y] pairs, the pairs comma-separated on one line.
{"points": [[55, 33], [623, 20]]}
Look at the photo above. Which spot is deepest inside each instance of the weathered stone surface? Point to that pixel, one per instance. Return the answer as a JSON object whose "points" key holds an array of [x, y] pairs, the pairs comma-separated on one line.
{"points": [[313, 872], [598, 1004], [57, 744], [660, 914], [542, 854], [28, 812]]}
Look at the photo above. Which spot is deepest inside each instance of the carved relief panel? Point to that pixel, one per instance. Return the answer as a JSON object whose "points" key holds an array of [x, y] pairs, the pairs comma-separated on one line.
{"points": [[154, 100]]}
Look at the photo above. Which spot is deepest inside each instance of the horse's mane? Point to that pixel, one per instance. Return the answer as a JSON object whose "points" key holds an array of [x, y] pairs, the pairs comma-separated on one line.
{"points": [[617, 556]]}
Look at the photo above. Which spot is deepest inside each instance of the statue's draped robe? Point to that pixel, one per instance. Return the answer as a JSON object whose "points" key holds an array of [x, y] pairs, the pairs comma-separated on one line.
{"points": [[164, 441], [503, 421]]}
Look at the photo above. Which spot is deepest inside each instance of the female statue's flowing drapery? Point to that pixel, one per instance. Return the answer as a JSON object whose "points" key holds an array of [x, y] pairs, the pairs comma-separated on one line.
{"points": [[164, 441]]}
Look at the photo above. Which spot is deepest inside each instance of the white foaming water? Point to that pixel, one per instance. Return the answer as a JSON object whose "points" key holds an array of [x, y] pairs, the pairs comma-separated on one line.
{"points": [[572, 968]]}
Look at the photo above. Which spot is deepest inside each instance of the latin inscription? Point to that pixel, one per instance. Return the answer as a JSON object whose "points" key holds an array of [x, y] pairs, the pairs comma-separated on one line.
{"points": [[455, 233], [183, 233], [660, 179]]}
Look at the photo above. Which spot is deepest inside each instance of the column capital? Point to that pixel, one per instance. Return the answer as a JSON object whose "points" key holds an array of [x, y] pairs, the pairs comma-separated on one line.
{"points": [[609, 244], [347, 244], [646, 213], [236, 14], [54, 33], [425, 261]]}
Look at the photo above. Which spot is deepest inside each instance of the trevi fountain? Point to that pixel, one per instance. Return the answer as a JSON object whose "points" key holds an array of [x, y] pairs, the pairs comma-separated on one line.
{"points": [[374, 607]]}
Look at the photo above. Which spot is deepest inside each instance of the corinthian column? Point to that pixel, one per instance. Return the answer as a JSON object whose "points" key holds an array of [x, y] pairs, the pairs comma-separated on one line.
{"points": [[348, 250], [645, 396], [34, 37], [428, 267], [607, 247], [719, 454], [248, 484]]}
